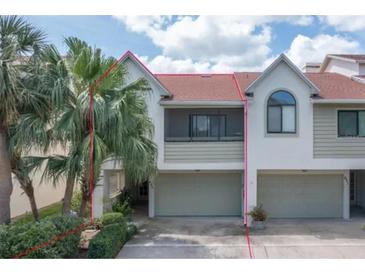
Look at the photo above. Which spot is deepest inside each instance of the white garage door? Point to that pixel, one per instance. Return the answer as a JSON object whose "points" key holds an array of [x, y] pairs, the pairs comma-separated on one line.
{"points": [[301, 196], [217, 194]]}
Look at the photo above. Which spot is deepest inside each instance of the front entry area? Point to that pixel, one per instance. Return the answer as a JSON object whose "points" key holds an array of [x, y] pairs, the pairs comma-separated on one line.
{"points": [[301, 195], [198, 194], [357, 193]]}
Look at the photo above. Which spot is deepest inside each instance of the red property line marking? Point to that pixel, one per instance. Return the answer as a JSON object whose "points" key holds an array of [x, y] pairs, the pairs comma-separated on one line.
{"points": [[51, 241], [247, 232], [91, 179]]}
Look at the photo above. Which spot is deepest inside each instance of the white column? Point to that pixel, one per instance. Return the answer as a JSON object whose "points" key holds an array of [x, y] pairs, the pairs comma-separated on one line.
{"points": [[251, 191], [151, 198], [98, 196], [346, 195]]}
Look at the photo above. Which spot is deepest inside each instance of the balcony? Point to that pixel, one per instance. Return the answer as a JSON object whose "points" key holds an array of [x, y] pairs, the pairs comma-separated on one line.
{"points": [[204, 135]]}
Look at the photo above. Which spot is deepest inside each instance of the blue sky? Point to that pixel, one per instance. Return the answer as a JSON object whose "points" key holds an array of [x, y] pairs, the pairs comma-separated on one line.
{"points": [[210, 43]]}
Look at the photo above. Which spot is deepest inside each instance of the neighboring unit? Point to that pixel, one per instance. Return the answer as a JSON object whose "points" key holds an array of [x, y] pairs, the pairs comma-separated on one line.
{"points": [[305, 141]]}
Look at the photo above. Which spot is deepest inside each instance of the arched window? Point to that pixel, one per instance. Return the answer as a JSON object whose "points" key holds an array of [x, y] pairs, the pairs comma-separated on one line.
{"points": [[281, 113]]}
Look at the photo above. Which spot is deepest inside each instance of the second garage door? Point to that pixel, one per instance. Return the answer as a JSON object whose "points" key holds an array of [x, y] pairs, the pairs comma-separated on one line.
{"points": [[301, 196], [215, 194]]}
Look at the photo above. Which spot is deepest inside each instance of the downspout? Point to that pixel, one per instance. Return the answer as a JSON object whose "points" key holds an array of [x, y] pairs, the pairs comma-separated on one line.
{"points": [[245, 126]]}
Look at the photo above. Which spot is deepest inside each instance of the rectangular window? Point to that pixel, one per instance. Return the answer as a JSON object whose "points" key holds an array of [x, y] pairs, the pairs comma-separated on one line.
{"points": [[281, 119], [274, 119], [288, 118], [208, 127], [351, 123]]}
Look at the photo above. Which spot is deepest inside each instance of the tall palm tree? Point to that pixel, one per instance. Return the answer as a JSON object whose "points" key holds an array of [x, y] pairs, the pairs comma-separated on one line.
{"points": [[121, 127], [17, 39]]}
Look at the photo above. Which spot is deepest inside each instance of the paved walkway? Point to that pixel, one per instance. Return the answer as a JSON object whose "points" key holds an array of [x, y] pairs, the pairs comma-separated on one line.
{"points": [[223, 238]]}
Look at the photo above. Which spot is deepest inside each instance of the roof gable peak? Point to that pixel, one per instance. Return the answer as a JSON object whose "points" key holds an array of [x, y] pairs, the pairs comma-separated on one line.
{"points": [[129, 55], [282, 59]]}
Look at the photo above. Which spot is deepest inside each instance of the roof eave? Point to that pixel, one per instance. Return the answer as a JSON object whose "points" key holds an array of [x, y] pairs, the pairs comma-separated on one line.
{"points": [[201, 103], [337, 101]]}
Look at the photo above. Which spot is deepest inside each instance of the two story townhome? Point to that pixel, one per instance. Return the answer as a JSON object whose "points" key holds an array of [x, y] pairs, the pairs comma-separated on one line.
{"points": [[292, 141]]}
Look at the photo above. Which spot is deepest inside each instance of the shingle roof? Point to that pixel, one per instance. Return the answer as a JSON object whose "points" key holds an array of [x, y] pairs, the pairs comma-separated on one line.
{"points": [[200, 87], [214, 87], [337, 86]]}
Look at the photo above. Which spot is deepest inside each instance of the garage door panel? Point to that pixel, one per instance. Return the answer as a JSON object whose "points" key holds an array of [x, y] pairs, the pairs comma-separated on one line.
{"points": [[301, 196], [198, 194]]}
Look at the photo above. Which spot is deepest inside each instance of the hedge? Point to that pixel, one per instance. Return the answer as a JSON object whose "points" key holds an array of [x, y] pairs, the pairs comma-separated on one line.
{"points": [[18, 238], [112, 218], [108, 242]]}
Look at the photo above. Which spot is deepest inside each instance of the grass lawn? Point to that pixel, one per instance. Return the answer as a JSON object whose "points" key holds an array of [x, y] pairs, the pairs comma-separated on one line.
{"points": [[51, 210]]}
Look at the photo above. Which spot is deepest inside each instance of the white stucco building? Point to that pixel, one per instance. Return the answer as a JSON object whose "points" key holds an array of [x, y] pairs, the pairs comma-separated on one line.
{"points": [[304, 134]]}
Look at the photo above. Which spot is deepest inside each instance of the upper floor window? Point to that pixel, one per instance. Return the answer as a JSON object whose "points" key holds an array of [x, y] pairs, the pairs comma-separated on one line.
{"points": [[208, 126], [351, 123], [281, 113]]}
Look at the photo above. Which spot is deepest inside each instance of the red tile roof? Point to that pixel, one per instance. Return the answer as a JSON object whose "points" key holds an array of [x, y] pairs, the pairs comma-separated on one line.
{"points": [[200, 87], [215, 87], [337, 86]]}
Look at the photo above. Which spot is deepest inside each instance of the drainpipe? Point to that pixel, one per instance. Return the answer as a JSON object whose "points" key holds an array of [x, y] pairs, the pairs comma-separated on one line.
{"points": [[245, 118]]}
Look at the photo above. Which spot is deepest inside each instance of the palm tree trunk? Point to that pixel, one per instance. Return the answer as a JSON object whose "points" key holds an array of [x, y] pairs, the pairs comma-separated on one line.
{"points": [[83, 207], [6, 186], [29, 191], [70, 184], [85, 198]]}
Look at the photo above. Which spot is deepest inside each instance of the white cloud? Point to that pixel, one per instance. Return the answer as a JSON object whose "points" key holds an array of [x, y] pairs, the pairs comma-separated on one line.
{"points": [[215, 43], [163, 64], [345, 23], [232, 43], [304, 49]]}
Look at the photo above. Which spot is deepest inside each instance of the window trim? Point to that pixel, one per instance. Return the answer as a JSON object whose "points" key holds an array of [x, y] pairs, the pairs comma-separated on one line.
{"points": [[357, 111], [281, 114]]}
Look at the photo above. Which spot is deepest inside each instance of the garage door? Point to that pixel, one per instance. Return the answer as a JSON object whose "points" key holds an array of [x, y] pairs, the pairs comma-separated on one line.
{"points": [[300, 196], [198, 194]]}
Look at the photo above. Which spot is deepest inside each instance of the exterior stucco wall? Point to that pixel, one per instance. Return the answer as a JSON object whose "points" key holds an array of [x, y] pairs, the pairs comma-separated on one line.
{"points": [[286, 152], [362, 69], [155, 111], [342, 67]]}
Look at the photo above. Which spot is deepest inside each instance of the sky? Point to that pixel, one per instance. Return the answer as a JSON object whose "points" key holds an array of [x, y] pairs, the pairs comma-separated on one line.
{"points": [[177, 44]]}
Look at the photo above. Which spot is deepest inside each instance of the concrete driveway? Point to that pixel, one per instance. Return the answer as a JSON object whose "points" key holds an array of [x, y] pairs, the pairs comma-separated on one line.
{"points": [[224, 238]]}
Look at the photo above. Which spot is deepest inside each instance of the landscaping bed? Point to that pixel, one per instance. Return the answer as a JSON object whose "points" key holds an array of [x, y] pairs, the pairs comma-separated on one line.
{"points": [[57, 236]]}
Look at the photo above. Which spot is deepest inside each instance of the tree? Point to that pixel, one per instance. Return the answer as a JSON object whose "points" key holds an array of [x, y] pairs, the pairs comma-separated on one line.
{"points": [[17, 40], [122, 129]]}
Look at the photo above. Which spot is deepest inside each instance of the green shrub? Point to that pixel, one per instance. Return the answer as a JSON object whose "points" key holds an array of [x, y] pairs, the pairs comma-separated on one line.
{"points": [[4, 242], [112, 218], [258, 213], [18, 238], [124, 208], [68, 247], [108, 242]]}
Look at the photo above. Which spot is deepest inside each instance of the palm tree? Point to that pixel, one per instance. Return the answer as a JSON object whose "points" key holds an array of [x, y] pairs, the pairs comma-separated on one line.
{"points": [[121, 127], [17, 40]]}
